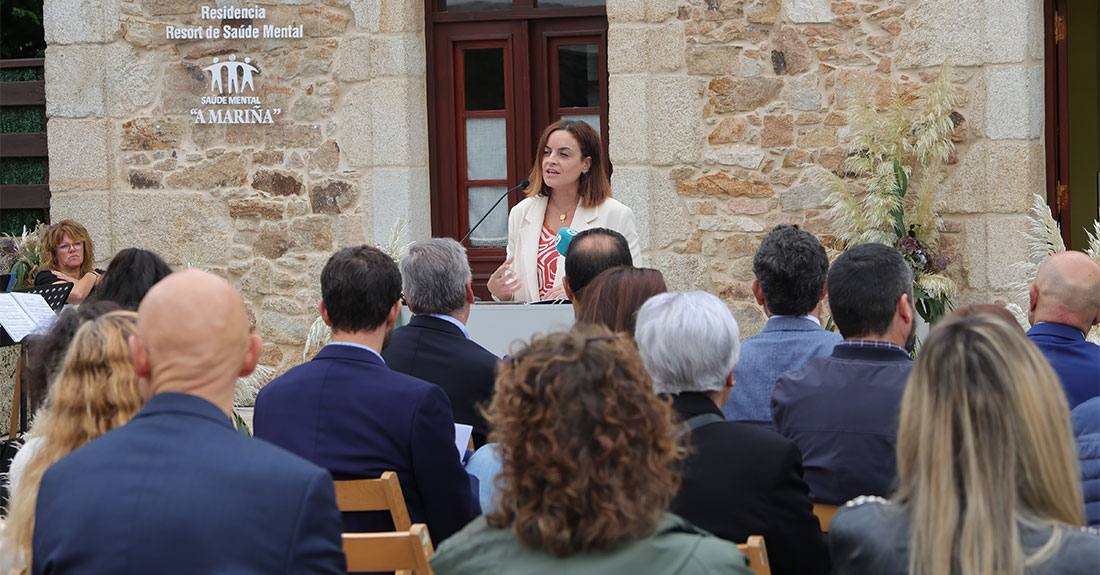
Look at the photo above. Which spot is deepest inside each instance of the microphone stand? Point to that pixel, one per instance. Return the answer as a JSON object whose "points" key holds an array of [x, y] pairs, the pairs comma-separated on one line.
{"points": [[522, 186]]}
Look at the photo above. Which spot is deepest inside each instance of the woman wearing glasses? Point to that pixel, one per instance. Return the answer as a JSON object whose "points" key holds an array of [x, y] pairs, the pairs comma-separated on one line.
{"points": [[67, 256]]}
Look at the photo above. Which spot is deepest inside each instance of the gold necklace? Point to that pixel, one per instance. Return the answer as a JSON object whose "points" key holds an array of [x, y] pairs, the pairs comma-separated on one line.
{"points": [[565, 213]]}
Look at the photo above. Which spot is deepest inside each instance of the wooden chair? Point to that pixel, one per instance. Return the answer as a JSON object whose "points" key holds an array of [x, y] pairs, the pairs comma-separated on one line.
{"points": [[825, 514], [757, 553], [404, 552], [382, 494]]}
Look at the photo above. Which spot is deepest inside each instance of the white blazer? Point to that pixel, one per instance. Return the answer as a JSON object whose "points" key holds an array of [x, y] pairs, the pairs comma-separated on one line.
{"points": [[525, 227]]}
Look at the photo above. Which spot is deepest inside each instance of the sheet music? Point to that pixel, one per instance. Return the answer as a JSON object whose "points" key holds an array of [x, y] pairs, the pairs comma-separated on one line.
{"points": [[15, 321], [36, 307]]}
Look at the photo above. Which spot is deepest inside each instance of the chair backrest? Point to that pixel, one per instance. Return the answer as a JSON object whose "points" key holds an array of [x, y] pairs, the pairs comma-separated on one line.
{"points": [[399, 551], [825, 514], [382, 494], [757, 553]]}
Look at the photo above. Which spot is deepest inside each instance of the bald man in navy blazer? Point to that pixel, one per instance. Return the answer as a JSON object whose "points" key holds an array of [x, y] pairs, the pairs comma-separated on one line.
{"points": [[179, 490], [348, 412]]}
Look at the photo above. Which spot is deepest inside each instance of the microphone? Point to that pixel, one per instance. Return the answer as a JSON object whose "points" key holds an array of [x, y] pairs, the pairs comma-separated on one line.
{"points": [[522, 186], [563, 239]]}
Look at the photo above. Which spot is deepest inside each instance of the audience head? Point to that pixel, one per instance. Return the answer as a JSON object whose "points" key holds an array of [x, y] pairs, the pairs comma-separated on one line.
{"points": [[689, 342], [591, 252], [95, 392], [1067, 291], [984, 439], [990, 309], [613, 298], [790, 268], [62, 242], [588, 450], [871, 294], [46, 353], [129, 276], [193, 337], [436, 277], [594, 185], [360, 286]]}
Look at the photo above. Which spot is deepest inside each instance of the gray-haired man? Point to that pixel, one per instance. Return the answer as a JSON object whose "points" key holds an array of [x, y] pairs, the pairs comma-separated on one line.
{"points": [[435, 346]]}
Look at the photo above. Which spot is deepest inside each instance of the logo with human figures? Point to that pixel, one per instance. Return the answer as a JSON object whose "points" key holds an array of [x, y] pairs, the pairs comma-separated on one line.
{"points": [[239, 75], [228, 80]]}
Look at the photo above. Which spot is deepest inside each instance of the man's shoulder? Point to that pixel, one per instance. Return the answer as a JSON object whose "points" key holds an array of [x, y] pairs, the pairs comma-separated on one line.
{"points": [[734, 437]]}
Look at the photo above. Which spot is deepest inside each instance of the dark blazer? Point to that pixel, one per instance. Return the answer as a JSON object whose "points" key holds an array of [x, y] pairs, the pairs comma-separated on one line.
{"points": [[870, 536], [1076, 361], [179, 490], [740, 480], [438, 352], [349, 413], [842, 412], [786, 343]]}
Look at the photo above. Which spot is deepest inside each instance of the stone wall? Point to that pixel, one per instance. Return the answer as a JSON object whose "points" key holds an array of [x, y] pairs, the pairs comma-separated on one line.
{"points": [[717, 106], [262, 204]]}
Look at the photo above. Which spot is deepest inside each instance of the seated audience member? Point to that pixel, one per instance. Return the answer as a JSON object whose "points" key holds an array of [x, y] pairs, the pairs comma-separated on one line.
{"points": [[589, 456], [178, 490], [790, 269], [95, 392], [67, 256], [613, 298], [129, 276], [1065, 304], [348, 412], [435, 345], [842, 409], [590, 253], [738, 480], [987, 473], [46, 353], [1086, 427]]}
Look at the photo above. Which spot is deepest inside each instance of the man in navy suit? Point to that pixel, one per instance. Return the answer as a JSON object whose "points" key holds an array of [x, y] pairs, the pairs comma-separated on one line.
{"points": [[1064, 305], [790, 268], [179, 489], [349, 413], [435, 346], [842, 409]]}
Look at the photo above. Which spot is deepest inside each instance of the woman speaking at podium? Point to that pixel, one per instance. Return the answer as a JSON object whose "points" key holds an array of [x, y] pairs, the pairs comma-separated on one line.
{"points": [[569, 188]]}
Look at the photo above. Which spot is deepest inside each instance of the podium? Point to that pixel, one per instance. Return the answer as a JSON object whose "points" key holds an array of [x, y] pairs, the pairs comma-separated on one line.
{"points": [[502, 327]]}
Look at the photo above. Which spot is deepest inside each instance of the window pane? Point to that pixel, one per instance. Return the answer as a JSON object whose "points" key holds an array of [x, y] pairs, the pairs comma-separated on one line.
{"points": [[486, 149], [569, 3], [591, 119], [578, 76], [493, 232], [484, 78], [471, 5]]}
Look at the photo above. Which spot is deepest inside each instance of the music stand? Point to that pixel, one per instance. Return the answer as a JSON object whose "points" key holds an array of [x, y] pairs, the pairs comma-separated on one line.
{"points": [[55, 295], [6, 282]]}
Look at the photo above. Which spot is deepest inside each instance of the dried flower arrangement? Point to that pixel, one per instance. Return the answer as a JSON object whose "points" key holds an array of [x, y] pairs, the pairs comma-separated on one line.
{"points": [[19, 255], [907, 142]]}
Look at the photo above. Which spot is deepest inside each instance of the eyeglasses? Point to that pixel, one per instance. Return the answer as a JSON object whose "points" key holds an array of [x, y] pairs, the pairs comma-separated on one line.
{"points": [[69, 247]]}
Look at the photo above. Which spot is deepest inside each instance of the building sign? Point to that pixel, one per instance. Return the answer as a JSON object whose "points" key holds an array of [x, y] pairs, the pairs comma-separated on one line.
{"points": [[232, 98]]}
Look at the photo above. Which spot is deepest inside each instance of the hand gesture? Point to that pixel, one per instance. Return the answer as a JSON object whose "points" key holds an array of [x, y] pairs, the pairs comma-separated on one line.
{"points": [[503, 282]]}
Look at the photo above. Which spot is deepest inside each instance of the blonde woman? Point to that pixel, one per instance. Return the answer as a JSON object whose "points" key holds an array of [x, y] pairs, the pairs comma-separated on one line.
{"points": [[987, 471], [95, 392]]}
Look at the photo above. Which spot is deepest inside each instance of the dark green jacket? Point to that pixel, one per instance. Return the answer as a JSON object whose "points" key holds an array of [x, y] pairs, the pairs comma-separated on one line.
{"points": [[676, 548]]}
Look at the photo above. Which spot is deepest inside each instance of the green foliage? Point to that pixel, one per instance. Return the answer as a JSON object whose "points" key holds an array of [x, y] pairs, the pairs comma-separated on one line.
{"points": [[12, 222], [22, 171], [22, 120], [23, 35], [20, 74]]}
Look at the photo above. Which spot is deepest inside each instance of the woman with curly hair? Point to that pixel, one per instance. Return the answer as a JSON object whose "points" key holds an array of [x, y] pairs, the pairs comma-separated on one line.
{"points": [[67, 256], [95, 392], [987, 471], [588, 454]]}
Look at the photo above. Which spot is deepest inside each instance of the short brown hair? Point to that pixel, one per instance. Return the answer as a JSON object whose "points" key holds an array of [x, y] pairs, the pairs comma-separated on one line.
{"points": [[588, 450], [594, 186], [51, 238], [615, 296]]}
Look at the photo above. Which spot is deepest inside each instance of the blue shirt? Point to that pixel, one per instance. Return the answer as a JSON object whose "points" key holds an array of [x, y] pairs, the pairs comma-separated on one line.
{"points": [[349, 344]]}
